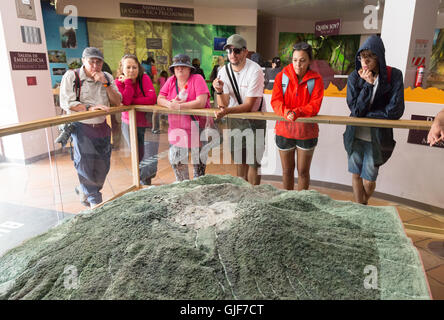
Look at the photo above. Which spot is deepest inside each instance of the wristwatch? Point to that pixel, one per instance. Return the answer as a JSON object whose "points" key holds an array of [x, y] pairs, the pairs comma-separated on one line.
{"points": [[87, 107], [219, 92]]}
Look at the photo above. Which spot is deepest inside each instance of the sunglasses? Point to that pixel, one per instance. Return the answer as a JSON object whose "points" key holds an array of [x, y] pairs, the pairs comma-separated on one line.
{"points": [[235, 50], [301, 46]]}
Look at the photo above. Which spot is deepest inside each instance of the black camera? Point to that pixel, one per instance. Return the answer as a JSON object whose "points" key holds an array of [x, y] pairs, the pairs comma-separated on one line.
{"points": [[66, 130]]}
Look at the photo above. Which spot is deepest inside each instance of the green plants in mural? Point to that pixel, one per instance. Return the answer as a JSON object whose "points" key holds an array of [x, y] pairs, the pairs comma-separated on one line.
{"points": [[154, 30], [338, 51], [436, 73], [197, 41]]}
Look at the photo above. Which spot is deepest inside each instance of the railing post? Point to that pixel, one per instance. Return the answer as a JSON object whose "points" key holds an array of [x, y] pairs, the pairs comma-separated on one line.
{"points": [[134, 147]]}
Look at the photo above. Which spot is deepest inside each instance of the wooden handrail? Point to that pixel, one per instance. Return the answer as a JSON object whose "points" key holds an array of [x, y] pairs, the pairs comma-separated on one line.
{"points": [[53, 121], [338, 120]]}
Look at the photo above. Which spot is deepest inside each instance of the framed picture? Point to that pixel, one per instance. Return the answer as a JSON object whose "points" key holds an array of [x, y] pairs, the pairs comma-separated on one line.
{"points": [[68, 38], [74, 63], [219, 43], [162, 60], [58, 71], [25, 9], [57, 56]]}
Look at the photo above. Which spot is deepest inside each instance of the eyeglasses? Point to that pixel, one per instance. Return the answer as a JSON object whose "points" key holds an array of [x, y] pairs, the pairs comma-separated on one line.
{"points": [[95, 61], [235, 50]]}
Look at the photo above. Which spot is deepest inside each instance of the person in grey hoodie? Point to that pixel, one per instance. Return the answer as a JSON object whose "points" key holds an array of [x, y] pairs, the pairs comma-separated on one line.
{"points": [[374, 90]]}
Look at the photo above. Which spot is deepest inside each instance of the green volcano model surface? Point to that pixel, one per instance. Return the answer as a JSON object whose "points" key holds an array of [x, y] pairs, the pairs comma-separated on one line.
{"points": [[217, 237]]}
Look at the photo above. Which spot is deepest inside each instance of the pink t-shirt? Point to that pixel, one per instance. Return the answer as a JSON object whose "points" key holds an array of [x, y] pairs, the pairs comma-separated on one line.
{"points": [[179, 130]]}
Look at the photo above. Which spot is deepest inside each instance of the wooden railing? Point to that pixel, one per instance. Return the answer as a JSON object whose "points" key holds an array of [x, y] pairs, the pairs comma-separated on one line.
{"points": [[338, 120]]}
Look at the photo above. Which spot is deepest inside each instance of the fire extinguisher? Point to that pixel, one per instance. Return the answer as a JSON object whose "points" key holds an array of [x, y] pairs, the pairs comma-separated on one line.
{"points": [[419, 76]]}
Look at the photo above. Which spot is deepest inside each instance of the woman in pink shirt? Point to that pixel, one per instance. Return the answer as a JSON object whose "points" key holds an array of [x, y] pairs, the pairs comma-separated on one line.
{"points": [[183, 133], [136, 88]]}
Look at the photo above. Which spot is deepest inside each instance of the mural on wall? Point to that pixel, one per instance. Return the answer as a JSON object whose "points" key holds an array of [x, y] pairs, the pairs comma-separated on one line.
{"points": [[197, 41], [68, 38], [154, 30], [160, 40], [61, 49], [114, 37], [332, 54], [119, 37], [435, 77]]}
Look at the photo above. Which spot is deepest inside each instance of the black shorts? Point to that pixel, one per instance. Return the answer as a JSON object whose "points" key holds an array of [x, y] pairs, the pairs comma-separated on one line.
{"points": [[286, 144]]}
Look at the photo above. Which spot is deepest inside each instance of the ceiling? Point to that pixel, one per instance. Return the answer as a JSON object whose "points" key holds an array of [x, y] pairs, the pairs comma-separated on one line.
{"points": [[292, 9]]}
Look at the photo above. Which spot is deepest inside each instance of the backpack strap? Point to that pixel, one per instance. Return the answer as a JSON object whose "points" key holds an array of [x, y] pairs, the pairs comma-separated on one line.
{"points": [[310, 86], [389, 74], [77, 84], [141, 88], [285, 81], [284, 84], [233, 83]]}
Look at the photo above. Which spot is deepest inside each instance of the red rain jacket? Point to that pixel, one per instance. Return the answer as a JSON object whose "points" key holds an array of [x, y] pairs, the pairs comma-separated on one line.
{"points": [[297, 99]]}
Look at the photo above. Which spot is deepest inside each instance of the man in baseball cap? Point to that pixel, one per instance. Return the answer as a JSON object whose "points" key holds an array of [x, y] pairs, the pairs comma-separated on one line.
{"points": [[92, 52], [239, 87], [236, 41], [88, 89]]}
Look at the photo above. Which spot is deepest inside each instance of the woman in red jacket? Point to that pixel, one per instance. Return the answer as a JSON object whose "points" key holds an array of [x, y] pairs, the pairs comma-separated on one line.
{"points": [[297, 92], [136, 88]]}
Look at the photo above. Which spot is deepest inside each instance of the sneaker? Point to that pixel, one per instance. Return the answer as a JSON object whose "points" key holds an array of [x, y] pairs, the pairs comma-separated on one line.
{"points": [[83, 198], [155, 131], [92, 205]]}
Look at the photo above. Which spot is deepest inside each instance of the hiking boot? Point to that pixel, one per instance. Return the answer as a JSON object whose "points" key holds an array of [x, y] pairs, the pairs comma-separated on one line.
{"points": [[83, 197]]}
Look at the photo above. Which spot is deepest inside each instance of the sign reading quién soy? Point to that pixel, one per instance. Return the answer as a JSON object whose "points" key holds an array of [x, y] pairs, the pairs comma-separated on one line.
{"points": [[132, 10], [327, 28]]}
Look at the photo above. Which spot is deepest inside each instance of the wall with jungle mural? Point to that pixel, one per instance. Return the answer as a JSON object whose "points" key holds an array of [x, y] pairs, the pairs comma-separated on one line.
{"points": [[117, 37], [332, 55], [197, 41], [435, 76]]}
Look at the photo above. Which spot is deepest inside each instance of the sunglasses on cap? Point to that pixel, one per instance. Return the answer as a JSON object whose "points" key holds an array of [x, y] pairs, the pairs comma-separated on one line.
{"points": [[235, 50], [301, 46]]}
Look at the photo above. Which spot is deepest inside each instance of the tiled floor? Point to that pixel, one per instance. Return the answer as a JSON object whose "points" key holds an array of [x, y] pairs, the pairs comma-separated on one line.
{"points": [[50, 185]]}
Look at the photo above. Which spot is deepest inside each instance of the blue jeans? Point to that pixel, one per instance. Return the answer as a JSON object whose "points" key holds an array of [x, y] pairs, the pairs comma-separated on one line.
{"points": [[148, 151], [92, 154], [361, 160]]}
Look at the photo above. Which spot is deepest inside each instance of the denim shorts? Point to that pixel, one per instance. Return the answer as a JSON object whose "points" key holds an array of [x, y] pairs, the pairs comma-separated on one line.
{"points": [[361, 160], [287, 144]]}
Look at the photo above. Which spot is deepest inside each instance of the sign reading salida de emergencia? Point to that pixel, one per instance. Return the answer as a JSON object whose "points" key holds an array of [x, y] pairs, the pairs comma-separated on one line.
{"points": [[132, 10], [28, 60], [327, 28]]}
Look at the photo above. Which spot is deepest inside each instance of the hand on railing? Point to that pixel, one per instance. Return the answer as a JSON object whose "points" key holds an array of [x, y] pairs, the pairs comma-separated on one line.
{"points": [[99, 107], [222, 112], [436, 133]]}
